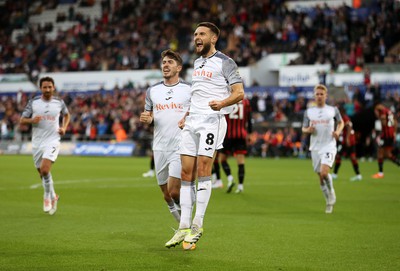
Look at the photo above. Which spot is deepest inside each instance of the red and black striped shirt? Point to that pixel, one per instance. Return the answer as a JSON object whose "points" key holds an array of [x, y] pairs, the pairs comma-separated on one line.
{"points": [[352, 137], [387, 120], [239, 121]]}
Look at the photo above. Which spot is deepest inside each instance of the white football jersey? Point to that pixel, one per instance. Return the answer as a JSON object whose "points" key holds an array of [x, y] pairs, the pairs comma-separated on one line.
{"points": [[46, 131], [211, 80], [169, 104], [323, 119]]}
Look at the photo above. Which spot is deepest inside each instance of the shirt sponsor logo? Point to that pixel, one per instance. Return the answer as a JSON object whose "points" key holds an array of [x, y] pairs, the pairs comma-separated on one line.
{"points": [[47, 117], [202, 73], [167, 106], [314, 122]]}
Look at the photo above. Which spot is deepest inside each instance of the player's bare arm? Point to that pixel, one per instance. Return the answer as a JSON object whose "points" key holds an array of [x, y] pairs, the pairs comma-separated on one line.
{"points": [[236, 96], [34, 120], [65, 124], [308, 130], [377, 108], [349, 128], [146, 117], [339, 129], [181, 123]]}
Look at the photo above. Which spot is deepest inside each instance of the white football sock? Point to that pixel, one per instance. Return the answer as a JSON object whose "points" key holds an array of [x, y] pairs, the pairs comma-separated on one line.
{"points": [[325, 191], [174, 211], [329, 182], [48, 186], [187, 199], [204, 188]]}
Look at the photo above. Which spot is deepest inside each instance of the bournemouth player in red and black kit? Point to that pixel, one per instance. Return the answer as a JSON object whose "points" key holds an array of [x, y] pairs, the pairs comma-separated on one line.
{"points": [[386, 138], [347, 148], [235, 143]]}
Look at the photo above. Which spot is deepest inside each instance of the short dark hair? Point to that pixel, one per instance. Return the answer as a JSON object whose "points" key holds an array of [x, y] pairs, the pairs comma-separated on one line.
{"points": [[46, 79], [211, 26], [171, 54]]}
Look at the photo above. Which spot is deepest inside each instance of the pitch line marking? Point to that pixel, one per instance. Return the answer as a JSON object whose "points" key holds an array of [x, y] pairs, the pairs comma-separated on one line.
{"points": [[37, 185]]}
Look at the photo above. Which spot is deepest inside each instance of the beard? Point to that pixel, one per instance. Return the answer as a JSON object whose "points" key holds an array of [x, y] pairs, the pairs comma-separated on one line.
{"points": [[47, 94], [205, 50], [169, 75]]}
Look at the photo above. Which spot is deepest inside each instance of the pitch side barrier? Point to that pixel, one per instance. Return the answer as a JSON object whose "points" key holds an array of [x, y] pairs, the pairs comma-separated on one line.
{"points": [[74, 148], [276, 92], [280, 93]]}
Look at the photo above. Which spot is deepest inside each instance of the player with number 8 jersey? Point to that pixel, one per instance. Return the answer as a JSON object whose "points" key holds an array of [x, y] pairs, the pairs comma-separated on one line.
{"points": [[216, 85]]}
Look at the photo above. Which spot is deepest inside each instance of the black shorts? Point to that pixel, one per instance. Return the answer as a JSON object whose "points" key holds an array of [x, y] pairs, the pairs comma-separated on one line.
{"points": [[344, 150], [234, 146], [385, 141]]}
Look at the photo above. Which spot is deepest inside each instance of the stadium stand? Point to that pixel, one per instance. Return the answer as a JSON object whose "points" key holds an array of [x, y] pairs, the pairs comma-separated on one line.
{"points": [[110, 35]]}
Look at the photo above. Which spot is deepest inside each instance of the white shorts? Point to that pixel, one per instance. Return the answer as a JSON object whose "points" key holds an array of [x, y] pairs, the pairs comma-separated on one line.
{"points": [[323, 157], [167, 163], [203, 134], [49, 152]]}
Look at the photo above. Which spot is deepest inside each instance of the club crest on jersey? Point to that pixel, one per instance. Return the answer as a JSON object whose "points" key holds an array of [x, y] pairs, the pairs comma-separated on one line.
{"points": [[237, 73], [169, 94]]}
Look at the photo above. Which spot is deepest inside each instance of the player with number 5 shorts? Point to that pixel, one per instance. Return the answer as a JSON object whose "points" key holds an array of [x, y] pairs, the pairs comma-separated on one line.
{"points": [[319, 122]]}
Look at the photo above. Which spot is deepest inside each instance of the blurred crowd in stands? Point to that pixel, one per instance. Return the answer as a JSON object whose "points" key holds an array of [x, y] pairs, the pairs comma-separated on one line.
{"points": [[100, 116], [279, 121], [130, 34], [114, 116]]}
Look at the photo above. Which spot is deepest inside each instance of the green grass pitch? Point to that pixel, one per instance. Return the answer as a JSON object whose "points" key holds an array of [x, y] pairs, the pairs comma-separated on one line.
{"points": [[110, 218]]}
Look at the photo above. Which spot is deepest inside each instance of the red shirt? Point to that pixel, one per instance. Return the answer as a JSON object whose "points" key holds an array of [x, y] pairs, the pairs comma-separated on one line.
{"points": [[347, 123], [387, 120], [239, 121]]}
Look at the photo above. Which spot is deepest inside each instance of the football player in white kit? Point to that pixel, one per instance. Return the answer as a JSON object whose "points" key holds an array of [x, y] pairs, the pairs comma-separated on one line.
{"points": [[43, 113], [166, 103], [319, 121], [216, 85]]}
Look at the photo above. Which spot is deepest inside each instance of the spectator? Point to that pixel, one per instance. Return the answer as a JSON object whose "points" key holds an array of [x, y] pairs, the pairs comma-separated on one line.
{"points": [[102, 129], [119, 131], [258, 29], [5, 130]]}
